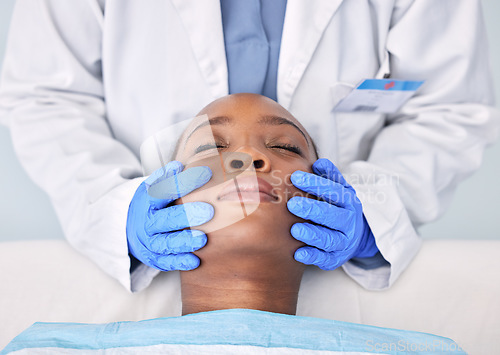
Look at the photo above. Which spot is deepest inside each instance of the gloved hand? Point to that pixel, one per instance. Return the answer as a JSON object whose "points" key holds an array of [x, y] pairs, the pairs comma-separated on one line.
{"points": [[154, 233], [341, 231]]}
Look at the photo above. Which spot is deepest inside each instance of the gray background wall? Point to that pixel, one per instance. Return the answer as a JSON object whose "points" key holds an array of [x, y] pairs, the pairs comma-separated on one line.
{"points": [[26, 212]]}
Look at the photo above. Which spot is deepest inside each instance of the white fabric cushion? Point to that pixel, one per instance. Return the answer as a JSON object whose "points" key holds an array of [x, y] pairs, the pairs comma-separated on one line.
{"points": [[451, 289]]}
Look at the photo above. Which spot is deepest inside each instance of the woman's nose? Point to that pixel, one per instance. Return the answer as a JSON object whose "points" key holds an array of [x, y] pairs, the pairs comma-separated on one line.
{"points": [[244, 157], [260, 160]]}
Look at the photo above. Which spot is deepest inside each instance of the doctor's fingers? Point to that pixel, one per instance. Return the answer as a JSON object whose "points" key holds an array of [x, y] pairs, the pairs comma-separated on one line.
{"points": [[184, 261], [323, 213], [320, 237], [178, 217], [172, 168], [171, 185], [320, 258], [328, 190], [325, 168], [184, 241]]}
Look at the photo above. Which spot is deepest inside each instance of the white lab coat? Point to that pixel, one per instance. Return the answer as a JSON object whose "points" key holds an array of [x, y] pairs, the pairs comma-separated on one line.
{"points": [[81, 90]]}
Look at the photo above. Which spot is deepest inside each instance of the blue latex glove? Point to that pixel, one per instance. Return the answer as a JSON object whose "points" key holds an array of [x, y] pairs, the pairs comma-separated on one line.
{"points": [[340, 231], [154, 232]]}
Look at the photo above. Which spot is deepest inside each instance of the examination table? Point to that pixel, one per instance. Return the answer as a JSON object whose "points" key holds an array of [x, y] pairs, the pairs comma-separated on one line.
{"points": [[452, 289]]}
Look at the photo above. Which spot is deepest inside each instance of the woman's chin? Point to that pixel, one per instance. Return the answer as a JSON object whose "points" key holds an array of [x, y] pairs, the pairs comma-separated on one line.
{"points": [[255, 234]]}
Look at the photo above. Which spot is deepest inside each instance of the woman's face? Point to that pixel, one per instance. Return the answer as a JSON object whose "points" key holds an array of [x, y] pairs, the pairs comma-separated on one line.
{"points": [[252, 146]]}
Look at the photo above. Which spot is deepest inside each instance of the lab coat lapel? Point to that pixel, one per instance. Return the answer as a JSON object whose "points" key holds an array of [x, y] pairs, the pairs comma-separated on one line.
{"points": [[203, 22], [305, 22]]}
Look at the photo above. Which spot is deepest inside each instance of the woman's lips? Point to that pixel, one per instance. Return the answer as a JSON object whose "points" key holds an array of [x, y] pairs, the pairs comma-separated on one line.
{"points": [[247, 189]]}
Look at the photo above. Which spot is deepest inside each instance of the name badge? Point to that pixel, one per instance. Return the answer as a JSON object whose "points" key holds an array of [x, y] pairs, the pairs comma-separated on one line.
{"points": [[378, 96]]}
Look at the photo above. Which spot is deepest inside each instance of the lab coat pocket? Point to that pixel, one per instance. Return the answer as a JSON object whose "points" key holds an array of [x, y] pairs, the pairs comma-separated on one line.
{"points": [[355, 130], [339, 91], [384, 71]]}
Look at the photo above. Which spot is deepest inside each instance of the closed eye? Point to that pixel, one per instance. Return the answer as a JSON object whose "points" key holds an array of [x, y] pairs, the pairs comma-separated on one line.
{"points": [[205, 147], [289, 147]]}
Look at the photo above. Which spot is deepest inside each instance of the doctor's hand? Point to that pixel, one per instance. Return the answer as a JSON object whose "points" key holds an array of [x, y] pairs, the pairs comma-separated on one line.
{"points": [[339, 230], [154, 231]]}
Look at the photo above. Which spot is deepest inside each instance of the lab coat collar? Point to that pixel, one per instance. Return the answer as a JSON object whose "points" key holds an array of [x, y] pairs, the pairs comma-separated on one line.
{"points": [[305, 22], [203, 23]]}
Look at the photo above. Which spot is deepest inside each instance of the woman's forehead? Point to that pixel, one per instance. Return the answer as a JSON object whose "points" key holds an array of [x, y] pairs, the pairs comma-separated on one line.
{"points": [[251, 112], [247, 108]]}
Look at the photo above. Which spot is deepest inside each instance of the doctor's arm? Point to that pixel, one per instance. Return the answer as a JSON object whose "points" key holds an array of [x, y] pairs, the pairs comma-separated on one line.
{"points": [[368, 215], [53, 99], [438, 138]]}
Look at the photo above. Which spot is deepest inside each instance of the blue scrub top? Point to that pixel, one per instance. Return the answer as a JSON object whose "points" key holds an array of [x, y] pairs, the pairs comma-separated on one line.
{"points": [[252, 38]]}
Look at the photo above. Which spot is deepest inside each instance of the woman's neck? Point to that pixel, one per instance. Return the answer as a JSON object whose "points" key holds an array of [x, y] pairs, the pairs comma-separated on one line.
{"points": [[263, 282]]}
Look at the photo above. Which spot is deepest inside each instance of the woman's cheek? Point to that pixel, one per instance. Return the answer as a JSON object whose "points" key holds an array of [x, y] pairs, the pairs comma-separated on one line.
{"points": [[289, 190]]}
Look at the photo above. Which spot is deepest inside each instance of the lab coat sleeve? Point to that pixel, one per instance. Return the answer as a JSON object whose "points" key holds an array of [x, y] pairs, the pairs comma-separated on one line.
{"points": [[437, 140], [52, 98]]}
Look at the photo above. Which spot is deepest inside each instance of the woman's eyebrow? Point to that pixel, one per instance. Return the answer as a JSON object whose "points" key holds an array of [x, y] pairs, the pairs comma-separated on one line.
{"points": [[218, 120], [276, 120]]}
